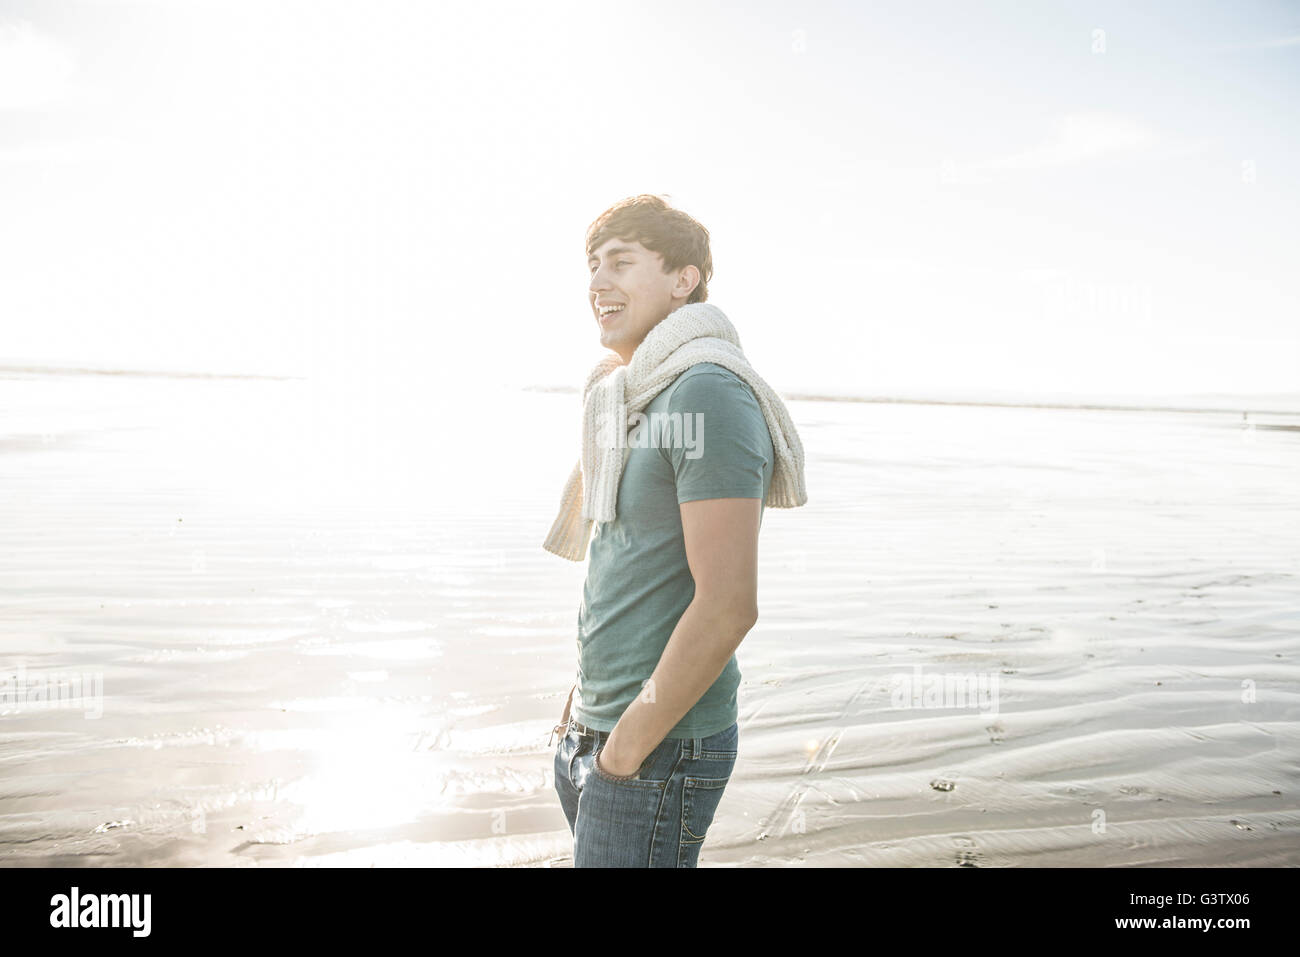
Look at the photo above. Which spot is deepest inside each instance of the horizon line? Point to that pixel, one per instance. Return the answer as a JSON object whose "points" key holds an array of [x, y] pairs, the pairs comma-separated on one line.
{"points": [[1027, 403]]}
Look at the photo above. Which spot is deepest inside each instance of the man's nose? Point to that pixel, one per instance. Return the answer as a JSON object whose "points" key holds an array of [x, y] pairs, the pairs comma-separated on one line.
{"points": [[599, 280]]}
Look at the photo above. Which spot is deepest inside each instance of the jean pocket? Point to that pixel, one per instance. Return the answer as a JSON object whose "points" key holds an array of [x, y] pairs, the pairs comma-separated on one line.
{"points": [[644, 776], [700, 800]]}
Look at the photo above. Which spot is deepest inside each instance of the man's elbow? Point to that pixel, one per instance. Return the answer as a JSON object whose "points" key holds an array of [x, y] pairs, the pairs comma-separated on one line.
{"points": [[731, 616]]}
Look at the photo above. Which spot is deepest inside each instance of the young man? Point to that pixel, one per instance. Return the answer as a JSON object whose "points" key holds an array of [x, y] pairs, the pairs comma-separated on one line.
{"points": [[650, 741]]}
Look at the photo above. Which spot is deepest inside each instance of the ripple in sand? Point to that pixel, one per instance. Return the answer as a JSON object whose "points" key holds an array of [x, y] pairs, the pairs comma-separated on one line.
{"points": [[520, 737], [163, 655], [393, 649], [521, 850], [380, 626]]}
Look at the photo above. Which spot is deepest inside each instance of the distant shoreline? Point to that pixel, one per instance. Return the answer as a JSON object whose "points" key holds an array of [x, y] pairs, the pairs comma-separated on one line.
{"points": [[150, 373], [1083, 405], [1006, 404]]}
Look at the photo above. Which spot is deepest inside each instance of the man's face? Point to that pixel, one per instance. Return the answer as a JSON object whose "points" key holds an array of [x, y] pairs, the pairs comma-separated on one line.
{"points": [[631, 279]]}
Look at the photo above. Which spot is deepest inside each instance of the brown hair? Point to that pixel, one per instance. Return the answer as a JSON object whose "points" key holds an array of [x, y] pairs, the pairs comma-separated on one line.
{"points": [[648, 220]]}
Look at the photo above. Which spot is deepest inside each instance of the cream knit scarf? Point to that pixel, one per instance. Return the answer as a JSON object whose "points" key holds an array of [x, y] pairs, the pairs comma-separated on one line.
{"points": [[694, 333]]}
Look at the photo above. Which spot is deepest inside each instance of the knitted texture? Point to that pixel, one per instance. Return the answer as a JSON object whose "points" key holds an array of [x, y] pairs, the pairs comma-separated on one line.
{"points": [[614, 392]]}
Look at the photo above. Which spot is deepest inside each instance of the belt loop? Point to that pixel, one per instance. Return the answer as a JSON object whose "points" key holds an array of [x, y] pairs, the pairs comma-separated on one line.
{"points": [[696, 748]]}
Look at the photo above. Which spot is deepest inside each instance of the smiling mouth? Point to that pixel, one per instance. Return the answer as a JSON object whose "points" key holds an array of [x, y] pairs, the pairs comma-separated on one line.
{"points": [[608, 317]]}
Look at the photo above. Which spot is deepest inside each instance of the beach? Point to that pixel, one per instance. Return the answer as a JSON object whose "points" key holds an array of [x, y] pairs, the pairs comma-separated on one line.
{"points": [[313, 625]]}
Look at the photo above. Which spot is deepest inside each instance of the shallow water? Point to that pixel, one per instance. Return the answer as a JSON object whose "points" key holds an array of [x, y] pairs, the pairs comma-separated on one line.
{"points": [[326, 632]]}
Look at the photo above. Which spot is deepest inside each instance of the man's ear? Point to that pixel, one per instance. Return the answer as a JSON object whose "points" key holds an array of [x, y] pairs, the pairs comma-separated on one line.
{"points": [[687, 280]]}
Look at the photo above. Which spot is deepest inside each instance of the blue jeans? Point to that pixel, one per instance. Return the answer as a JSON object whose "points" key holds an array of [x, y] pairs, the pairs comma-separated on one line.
{"points": [[660, 817]]}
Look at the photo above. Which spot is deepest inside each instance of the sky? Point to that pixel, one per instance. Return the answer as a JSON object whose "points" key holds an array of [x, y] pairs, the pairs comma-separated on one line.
{"points": [[1092, 198]]}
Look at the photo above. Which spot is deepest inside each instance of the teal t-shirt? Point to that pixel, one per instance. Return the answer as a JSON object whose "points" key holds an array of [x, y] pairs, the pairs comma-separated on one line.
{"points": [[703, 436]]}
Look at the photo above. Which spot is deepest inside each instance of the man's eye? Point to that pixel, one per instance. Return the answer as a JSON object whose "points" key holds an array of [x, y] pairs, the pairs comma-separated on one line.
{"points": [[621, 262]]}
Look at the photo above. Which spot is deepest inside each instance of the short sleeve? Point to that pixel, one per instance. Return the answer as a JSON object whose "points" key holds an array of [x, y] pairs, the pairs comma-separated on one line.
{"points": [[722, 446]]}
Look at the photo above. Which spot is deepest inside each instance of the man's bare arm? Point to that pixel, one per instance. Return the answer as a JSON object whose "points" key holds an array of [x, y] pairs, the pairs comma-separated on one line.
{"points": [[721, 538]]}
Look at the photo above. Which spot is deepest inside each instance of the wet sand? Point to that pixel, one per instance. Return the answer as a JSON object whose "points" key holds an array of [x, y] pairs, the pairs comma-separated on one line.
{"points": [[327, 634]]}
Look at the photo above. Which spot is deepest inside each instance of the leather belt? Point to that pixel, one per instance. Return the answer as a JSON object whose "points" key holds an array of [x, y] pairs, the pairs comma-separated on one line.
{"points": [[581, 728]]}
